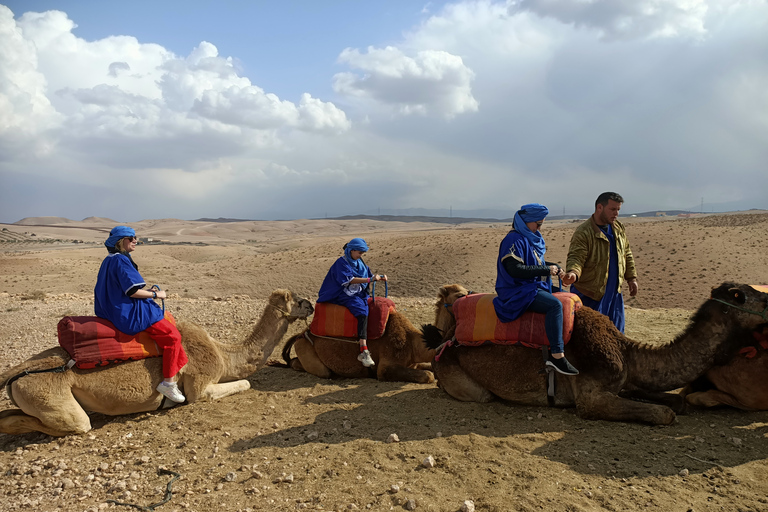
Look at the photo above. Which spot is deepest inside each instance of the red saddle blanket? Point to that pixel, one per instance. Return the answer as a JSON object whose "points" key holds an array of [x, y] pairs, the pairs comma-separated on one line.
{"points": [[337, 321], [92, 341], [477, 323]]}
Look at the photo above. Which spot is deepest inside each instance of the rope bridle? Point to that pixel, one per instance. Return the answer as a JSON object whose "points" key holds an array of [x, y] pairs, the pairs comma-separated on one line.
{"points": [[763, 314]]}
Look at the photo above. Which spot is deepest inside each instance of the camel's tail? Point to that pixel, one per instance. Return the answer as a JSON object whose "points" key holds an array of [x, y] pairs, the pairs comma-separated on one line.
{"points": [[432, 336], [286, 353]]}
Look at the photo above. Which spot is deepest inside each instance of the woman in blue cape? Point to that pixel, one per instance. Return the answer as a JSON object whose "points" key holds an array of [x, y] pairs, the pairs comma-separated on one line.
{"points": [[524, 281], [346, 284], [120, 297]]}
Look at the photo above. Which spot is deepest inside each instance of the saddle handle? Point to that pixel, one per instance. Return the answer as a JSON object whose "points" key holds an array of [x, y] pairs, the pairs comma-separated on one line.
{"points": [[373, 289]]}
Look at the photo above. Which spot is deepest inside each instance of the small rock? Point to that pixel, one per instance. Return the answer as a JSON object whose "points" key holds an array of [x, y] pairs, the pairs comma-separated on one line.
{"points": [[683, 472], [410, 504], [230, 477], [429, 462], [393, 438], [736, 441], [468, 506], [394, 489]]}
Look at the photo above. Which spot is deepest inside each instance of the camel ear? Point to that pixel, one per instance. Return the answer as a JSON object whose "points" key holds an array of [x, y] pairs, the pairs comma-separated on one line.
{"points": [[288, 296], [442, 293]]}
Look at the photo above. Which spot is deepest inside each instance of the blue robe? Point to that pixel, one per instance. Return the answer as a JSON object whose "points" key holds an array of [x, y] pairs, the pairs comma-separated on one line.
{"points": [[515, 295], [117, 276], [337, 290]]}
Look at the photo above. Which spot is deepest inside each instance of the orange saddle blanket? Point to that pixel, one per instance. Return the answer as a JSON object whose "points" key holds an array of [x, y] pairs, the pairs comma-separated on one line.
{"points": [[92, 341], [477, 323], [337, 321]]}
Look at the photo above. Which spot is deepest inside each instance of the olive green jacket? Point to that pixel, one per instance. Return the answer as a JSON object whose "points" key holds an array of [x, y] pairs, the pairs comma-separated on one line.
{"points": [[588, 258]]}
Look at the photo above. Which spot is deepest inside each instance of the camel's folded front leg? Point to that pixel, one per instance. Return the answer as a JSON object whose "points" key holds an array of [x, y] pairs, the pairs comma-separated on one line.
{"points": [[399, 373], [220, 390], [604, 405]]}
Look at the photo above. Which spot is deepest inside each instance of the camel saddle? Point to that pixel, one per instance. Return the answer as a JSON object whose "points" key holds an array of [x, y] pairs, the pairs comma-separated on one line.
{"points": [[333, 320], [93, 342], [477, 323]]}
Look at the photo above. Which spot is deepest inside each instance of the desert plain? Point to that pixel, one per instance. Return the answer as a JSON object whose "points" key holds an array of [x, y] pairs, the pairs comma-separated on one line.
{"points": [[297, 442]]}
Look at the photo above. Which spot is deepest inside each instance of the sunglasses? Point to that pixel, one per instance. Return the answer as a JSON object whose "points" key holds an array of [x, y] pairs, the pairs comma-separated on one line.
{"points": [[131, 238]]}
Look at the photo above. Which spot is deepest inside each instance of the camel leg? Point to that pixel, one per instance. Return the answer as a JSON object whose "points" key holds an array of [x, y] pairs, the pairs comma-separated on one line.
{"points": [[48, 407], [674, 401], [222, 389], [15, 422], [427, 367], [454, 380], [399, 373], [713, 398], [309, 361], [603, 405]]}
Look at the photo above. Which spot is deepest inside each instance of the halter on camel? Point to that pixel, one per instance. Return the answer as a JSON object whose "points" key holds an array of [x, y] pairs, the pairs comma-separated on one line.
{"points": [[763, 314]]}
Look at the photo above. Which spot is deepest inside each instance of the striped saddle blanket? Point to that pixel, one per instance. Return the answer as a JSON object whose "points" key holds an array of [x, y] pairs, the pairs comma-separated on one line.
{"points": [[337, 321], [477, 323], [93, 342]]}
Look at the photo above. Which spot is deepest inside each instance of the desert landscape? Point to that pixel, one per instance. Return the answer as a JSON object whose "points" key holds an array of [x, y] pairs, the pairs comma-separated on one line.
{"points": [[296, 442]]}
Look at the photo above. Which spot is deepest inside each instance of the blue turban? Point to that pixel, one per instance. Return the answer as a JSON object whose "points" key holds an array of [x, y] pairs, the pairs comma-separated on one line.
{"points": [[359, 268], [533, 212], [117, 234]]}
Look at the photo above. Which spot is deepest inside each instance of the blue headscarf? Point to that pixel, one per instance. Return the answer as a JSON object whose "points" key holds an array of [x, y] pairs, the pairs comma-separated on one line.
{"points": [[533, 212], [118, 233], [359, 268]]}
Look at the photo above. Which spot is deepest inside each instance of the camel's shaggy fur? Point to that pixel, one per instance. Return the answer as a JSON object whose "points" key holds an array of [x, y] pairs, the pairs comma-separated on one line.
{"points": [[609, 362], [399, 354], [56, 403]]}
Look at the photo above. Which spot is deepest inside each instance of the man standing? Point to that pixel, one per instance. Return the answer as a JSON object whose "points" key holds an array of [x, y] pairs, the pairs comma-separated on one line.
{"points": [[599, 260]]}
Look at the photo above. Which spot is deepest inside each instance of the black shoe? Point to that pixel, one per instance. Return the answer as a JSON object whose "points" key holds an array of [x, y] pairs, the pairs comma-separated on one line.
{"points": [[562, 365]]}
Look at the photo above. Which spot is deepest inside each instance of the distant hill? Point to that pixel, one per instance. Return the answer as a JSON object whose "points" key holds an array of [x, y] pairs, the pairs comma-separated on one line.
{"points": [[43, 221], [223, 219]]}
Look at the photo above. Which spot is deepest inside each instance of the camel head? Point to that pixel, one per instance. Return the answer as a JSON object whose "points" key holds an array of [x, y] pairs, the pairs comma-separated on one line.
{"points": [[291, 305], [446, 296], [743, 304]]}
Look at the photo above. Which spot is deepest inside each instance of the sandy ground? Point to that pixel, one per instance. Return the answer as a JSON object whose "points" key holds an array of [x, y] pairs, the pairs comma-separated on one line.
{"points": [[296, 442]]}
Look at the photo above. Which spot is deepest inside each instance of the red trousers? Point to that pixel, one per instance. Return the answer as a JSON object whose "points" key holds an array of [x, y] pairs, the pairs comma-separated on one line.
{"points": [[168, 339]]}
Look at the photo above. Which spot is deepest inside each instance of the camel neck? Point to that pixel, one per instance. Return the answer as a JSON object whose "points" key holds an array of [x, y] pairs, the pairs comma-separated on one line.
{"points": [[708, 338]]}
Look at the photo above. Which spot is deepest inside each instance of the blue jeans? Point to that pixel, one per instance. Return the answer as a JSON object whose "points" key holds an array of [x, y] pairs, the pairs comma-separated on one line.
{"points": [[548, 304]]}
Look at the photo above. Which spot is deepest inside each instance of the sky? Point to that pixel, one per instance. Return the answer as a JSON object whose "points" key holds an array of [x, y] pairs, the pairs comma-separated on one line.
{"points": [[305, 109]]}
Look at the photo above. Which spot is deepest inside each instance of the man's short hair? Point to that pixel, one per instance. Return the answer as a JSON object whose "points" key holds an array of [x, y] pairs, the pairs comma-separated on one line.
{"points": [[608, 196]]}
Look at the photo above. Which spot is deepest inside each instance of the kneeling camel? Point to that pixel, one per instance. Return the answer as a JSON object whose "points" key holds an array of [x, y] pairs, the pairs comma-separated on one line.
{"points": [[400, 354], [56, 403], [609, 361]]}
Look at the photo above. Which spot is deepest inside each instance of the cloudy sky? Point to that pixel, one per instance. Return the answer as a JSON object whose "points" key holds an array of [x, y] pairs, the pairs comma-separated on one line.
{"points": [[303, 109]]}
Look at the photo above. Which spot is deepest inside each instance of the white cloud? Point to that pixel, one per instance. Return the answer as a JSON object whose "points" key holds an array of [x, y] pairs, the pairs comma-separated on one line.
{"points": [[431, 82], [625, 19], [119, 100]]}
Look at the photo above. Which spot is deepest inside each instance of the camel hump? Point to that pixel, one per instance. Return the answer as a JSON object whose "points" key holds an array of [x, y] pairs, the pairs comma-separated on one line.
{"points": [[477, 323], [337, 321]]}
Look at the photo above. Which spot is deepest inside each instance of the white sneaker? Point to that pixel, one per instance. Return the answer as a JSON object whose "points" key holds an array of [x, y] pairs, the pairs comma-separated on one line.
{"points": [[171, 391], [365, 358]]}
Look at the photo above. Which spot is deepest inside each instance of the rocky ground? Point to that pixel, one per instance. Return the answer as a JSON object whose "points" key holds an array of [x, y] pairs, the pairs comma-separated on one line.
{"points": [[295, 442]]}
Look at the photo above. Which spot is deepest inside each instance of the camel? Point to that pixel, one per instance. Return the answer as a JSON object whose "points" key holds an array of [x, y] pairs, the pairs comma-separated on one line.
{"points": [[400, 354], [609, 362], [741, 383], [56, 403]]}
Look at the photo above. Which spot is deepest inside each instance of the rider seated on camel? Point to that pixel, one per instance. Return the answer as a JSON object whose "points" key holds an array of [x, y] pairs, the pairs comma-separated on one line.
{"points": [[120, 298], [524, 281], [346, 284]]}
